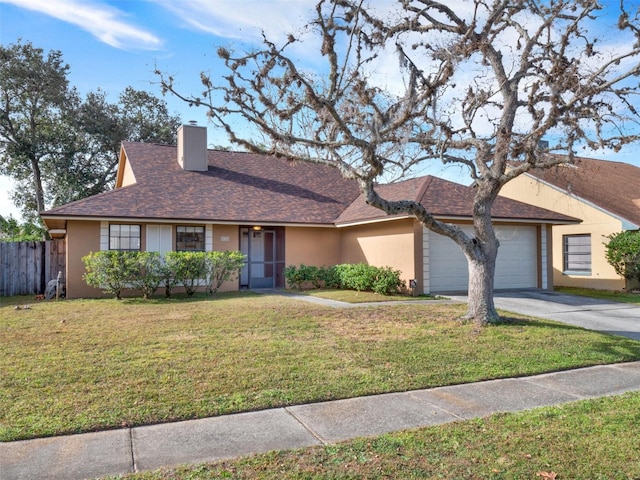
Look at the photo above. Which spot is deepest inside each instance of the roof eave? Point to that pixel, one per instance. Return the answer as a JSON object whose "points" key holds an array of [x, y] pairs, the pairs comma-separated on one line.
{"points": [[367, 221], [184, 221], [458, 218]]}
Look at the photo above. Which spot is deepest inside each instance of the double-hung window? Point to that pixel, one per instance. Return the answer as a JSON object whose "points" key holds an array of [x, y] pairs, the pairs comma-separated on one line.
{"points": [[189, 239], [124, 237], [576, 254]]}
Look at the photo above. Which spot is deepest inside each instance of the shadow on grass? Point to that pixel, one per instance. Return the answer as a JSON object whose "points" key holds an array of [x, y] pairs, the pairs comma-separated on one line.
{"points": [[21, 300], [625, 345]]}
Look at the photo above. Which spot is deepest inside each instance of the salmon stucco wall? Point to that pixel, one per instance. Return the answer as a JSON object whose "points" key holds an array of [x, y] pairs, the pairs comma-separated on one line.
{"points": [[385, 244], [597, 223], [311, 246], [82, 238], [227, 237]]}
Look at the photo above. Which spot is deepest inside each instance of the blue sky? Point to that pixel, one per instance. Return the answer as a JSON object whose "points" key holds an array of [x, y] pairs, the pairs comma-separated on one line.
{"points": [[111, 44]]}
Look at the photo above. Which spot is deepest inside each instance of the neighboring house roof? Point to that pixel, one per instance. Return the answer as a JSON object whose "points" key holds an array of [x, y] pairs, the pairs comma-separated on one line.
{"points": [[445, 199], [247, 188], [611, 186]]}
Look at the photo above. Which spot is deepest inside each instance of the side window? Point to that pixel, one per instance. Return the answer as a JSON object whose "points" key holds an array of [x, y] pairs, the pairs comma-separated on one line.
{"points": [[124, 237], [189, 239], [576, 254]]}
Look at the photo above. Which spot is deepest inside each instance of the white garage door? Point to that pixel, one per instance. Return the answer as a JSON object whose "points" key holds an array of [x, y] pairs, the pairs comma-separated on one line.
{"points": [[446, 267]]}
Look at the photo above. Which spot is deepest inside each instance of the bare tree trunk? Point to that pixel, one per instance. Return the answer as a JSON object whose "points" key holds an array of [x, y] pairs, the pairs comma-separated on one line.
{"points": [[481, 254], [37, 185], [35, 163], [481, 308]]}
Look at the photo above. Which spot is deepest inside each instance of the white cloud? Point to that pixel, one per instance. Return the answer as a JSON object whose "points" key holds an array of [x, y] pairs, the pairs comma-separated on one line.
{"points": [[242, 23], [102, 21], [243, 20]]}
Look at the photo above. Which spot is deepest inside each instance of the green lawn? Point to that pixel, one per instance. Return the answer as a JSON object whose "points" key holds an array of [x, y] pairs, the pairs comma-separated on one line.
{"points": [[84, 365], [588, 440], [614, 296]]}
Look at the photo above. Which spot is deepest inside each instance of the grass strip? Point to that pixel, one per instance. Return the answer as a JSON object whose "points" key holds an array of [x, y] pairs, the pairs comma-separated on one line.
{"points": [[614, 296]]}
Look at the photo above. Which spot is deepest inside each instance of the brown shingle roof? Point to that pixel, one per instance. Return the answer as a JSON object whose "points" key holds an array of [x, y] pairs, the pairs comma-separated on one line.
{"points": [[249, 188], [445, 199], [238, 187], [612, 186]]}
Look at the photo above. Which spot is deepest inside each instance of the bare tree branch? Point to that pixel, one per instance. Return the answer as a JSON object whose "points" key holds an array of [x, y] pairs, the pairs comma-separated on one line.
{"points": [[480, 85]]}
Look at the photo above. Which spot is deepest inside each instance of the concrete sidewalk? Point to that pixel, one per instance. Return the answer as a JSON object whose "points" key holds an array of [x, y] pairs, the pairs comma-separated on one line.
{"points": [[145, 448], [327, 302]]}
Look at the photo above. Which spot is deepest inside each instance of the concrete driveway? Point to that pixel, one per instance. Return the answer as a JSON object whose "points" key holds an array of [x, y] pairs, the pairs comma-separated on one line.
{"points": [[601, 315]]}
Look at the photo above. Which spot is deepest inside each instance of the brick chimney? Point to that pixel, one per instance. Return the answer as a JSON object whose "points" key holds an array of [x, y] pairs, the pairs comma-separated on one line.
{"points": [[192, 147]]}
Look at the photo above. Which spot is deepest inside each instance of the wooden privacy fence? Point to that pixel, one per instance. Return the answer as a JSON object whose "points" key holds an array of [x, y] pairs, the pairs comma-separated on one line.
{"points": [[26, 267]]}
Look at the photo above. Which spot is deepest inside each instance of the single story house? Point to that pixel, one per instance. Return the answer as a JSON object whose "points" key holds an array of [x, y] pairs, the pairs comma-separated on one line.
{"points": [[280, 213], [605, 195]]}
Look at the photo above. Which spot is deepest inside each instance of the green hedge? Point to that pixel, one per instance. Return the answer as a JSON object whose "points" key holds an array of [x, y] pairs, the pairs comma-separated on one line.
{"points": [[359, 276], [115, 270]]}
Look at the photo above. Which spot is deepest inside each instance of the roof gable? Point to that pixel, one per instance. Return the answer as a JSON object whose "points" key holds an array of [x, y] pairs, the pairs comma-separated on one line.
{"points": [[445, 199], [611, 186]]}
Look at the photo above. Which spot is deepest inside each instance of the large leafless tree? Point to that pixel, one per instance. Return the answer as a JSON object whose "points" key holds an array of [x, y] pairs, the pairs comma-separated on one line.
{"points": [[479, 83]]}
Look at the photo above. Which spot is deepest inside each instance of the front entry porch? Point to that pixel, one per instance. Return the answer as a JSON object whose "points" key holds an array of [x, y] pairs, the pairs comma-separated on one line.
{"points": [[264, 249]]}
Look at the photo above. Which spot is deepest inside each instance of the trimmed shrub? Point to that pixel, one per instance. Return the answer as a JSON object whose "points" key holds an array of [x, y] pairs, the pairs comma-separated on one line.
{"points": [[623, 253], [296, 277], [168, 277], [306, 276], [110, 270], [113, 271], [189, 269], [220, 267], [328, 277], [387, 281], [360, 277], [148, 273], [293, 276]]}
